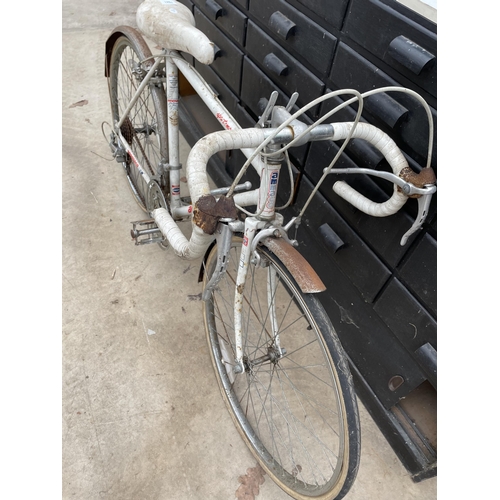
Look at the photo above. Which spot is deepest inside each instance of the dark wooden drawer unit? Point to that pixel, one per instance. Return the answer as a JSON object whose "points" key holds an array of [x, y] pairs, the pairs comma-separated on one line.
{"points": [[284, 70], [383, 234], [332, 13], [363, 268], [226, 96], [256, 88], [409, 123], [296, 33], [228, 58], [372, 347], [410, 323], [419, 272], [406, 46], [242, 3], [381, 297], [225, 16], [187, 3]]}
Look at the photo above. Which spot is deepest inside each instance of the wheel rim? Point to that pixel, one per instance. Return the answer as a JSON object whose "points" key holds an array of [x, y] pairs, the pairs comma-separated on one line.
{"points": [[289, 410], [141, 129]]}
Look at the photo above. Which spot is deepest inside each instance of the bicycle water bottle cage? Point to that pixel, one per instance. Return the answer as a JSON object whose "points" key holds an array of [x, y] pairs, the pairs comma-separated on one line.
{"points": [[172, 26]]}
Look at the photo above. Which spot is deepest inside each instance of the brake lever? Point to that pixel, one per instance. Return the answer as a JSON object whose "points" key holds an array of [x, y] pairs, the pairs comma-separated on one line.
{"points": [[425, 192], [267, 111], [424, 203]]}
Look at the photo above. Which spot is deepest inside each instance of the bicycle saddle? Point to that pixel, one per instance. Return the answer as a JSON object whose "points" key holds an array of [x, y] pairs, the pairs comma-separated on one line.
{"points": [[171, 25]]}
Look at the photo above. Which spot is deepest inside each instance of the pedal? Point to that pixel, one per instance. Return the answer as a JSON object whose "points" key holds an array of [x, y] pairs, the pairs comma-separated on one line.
{"points": [[150, 233]]}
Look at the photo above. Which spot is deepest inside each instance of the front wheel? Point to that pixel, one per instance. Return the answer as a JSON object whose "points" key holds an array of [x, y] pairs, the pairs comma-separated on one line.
{"points": [[295, 405]]}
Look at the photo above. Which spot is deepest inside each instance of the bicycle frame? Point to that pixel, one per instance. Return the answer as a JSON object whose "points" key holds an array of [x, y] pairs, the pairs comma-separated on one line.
{"points": [[263, 197], [265, 222]]}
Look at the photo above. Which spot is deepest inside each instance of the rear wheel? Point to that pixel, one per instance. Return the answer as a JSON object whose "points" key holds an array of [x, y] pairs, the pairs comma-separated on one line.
{"points": [[145, 128], [295, 405]]}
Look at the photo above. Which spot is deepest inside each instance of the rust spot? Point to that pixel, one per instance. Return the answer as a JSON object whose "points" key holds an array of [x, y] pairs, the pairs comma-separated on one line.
{"points": [[250, 482], [174, 118], [426, 176], [240, 289], [208, 211], [300, 269]]}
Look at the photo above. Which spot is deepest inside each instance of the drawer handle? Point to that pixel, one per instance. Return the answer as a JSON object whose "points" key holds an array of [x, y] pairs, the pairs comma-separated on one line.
{"points": [[217, 52], [275, 64], [409, 54], [214, 90], [282, 25], [331, 239], [214, 8], [386, 108], [427, 358]]}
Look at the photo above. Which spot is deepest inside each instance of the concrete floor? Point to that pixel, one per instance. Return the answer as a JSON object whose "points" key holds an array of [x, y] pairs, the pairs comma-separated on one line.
{"points": [[142, 414]]}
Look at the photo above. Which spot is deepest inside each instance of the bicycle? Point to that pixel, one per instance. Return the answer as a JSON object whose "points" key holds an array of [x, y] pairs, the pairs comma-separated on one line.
{"points": [[279, 364]]}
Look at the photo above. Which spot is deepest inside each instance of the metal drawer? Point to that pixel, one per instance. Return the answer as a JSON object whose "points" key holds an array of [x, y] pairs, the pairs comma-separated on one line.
{"points": [[228, 58], [281, 67], [226, 17], [405, 45], [298, 34]]}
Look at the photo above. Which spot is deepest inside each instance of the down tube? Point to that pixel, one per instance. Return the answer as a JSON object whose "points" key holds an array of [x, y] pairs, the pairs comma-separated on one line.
{"points": [[212, 102]]}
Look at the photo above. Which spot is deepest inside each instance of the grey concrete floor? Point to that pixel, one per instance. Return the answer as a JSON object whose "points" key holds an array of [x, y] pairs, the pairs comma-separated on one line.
{"points": [[142, 414]]}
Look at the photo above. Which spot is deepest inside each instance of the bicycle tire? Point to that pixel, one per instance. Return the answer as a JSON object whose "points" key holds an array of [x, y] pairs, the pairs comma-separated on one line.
{"points": [[298, 414], [145, 129]]}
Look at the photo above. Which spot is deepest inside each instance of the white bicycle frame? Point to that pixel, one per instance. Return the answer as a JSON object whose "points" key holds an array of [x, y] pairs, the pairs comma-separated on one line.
{"points": [[265, 222], [263, 197]]}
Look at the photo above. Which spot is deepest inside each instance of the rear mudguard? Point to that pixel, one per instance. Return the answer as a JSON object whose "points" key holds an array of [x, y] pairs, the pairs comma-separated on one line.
{"points": [[302, 272], [128, 31]]}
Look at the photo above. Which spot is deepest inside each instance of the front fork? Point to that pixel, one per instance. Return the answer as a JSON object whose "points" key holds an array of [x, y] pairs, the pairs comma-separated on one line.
{"points": [[254, 230]]}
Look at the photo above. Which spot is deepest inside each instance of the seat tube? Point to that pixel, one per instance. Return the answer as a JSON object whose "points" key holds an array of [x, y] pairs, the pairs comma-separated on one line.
{"points": [[172, 85]]}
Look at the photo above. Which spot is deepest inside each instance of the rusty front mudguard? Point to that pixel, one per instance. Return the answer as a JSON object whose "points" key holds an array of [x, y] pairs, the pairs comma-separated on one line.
{"points": [[303, 273], [128, 31]]}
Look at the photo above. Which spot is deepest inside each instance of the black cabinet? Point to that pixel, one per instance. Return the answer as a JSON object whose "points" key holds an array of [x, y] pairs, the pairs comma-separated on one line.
{"points": [[380, 296]]}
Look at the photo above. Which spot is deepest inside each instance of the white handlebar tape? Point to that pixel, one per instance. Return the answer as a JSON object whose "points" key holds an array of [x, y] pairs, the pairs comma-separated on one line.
{"points": [[189, 250], [196, 173], [196, 169], [392, 154]]}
